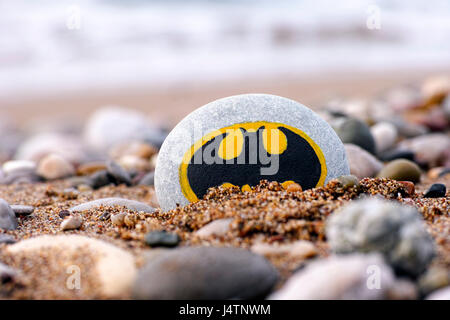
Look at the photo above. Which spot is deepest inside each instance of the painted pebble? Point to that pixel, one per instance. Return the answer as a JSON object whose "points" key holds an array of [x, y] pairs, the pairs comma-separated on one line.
{"points": [[240, 140]]}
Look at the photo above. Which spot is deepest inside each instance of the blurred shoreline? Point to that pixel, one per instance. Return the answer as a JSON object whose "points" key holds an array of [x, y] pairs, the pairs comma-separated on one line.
{"points": [[168, 104]]}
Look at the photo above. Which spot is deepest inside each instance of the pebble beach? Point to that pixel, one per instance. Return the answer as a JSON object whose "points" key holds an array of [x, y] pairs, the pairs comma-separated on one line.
{"points": [[80, 217]]}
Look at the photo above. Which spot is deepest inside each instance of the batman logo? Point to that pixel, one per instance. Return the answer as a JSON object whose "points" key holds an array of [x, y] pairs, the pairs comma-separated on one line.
{"points": [[244, 154]]}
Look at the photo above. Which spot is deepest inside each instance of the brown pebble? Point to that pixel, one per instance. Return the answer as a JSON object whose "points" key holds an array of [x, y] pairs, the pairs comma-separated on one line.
{"points": [[294, 187], [409, 187]]}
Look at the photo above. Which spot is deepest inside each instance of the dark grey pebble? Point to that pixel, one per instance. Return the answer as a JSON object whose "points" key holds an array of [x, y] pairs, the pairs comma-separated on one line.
{"points": [[148, 179], [436, 190], [6, 238], [205, 273], [105, 215], [22, 210], [8, 220], [162, 239], [119, 174], [397, 154], [99, 179], [351, 130], [64, 213]]}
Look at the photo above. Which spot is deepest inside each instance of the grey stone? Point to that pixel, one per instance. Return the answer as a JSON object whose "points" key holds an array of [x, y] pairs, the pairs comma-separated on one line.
{"points": [[362, 163], [5, 238], [374, 225], [118, 173], [237, 110], [162, 239], [385, 136], [217, 227], [112, 125], [348, 181], [205, 273], [22, 210], [110, 202], [8, 220], [148, 179], [345, 277], [354, 131], [99, 179], [428, 149]]}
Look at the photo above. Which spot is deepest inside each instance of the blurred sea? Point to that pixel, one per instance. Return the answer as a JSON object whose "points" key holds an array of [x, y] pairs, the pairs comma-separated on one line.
{"points": [[55, 46]]}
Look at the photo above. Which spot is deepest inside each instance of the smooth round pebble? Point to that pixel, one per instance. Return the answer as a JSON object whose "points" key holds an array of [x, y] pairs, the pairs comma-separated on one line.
{"points": [[373, 225], [344, 277], [6, 238], [113, 267], [22, 210], [148, 179], [162, 239], [71, 223], [299, 249], [442, 294], [205, 273], [385, 136], [397, 154], [354, 131], [99, 179], [111, 202], [401, 170], [362, 163], [348, 181], [119, 174], [8, 220], [436, 190], [429, 149], [216, 228], [12, 166], [220, 141], [54, 166]]}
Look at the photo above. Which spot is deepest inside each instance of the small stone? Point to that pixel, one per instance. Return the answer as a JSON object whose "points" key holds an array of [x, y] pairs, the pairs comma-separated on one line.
{"points": [[401, 170], [111, 202], [13, 166], [54, 166], [90, 168], [130, 162], [148, 179], [22, 210], [442, 294], [105, 216], [354, 131], [319, 280], [5, 238], [303, 148], [385, 136], [299, 249], [64, 213], [435, 88], [112, 125], [41, 145], [205, 273], [373, 225], [136, 148], [397, 154], [118, 173], [429, 149], [362, 163], [217, 228], [348, 181], [99, 179], [8, 220], [71, 223], [118, 219], [113, 268], [409, 187], [294, 187], [162, 239], [436, 190]]}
